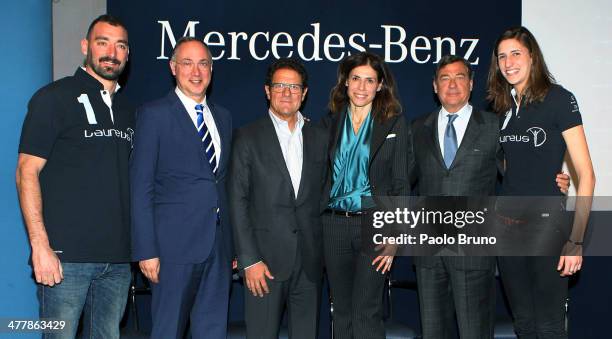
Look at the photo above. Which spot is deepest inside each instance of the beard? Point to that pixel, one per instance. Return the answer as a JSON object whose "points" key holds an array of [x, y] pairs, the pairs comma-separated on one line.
{"points": [[106, 72]]}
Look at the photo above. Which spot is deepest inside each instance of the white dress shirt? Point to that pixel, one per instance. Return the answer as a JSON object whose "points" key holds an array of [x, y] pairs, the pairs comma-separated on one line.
{"points": [[291, 143], [190, 105], [460, 123]]}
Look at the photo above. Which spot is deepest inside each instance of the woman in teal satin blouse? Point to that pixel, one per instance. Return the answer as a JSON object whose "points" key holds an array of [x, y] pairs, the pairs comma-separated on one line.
{"points": [[367, 158]]}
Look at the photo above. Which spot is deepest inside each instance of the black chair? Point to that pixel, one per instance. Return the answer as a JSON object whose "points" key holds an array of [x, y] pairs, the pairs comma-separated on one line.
{"points": [[504, 328], [138, 285], [393, 328]]}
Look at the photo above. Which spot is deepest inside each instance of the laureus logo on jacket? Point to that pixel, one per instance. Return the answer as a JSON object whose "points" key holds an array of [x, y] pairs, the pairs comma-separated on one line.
{"points": [[537, 135]]}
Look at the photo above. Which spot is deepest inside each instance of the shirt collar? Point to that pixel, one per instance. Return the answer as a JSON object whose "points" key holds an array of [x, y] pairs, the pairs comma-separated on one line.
{"points": [[513, 93], [280, 122], [464, 112], [90, 81], [189, 103]]}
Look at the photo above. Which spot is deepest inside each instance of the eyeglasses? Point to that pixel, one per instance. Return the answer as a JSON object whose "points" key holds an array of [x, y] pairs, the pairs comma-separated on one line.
{"points": [[204, 64], [279, 87]]}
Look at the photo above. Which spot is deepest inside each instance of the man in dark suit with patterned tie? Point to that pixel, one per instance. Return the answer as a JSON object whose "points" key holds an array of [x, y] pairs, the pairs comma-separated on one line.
{"points": [[276, 181], [454, 153], [181, 235]]}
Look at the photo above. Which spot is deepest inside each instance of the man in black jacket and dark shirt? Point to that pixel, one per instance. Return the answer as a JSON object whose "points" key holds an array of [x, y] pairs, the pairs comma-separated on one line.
{"points": [[73, 165]]}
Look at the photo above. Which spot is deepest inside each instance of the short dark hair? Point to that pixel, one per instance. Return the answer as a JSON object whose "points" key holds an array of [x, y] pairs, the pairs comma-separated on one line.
{"points": [[186, 39], [287, 63], [451, 59], [106, 18]]}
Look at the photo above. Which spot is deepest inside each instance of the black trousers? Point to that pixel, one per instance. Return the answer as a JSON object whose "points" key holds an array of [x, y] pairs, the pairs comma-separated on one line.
{"points": [[301, 295], [537, 296], [356, 288]]}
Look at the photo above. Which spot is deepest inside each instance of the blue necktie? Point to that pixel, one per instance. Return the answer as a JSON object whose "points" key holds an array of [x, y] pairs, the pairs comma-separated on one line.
{"points": [[207, 142], [450, 141]]}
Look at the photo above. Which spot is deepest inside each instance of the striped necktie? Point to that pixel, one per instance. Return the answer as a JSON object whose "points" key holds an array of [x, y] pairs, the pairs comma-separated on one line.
{"points": [[206, 137]]}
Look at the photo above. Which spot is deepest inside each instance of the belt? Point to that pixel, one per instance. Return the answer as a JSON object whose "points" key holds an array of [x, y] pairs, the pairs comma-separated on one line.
{"points": [[510, 221], [347, 214]]}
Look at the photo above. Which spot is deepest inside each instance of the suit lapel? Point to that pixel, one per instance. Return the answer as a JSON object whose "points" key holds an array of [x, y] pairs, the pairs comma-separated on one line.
{"points": [[270, 141], [337, 124], [379, 134], [308, 158], [222, 129], [190, 132], [471, 135], [431, 124], [182, 117]]}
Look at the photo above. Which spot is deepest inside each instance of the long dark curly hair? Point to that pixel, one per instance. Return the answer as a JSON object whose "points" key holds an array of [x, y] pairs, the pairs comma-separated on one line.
{"points": [[385, 104]]}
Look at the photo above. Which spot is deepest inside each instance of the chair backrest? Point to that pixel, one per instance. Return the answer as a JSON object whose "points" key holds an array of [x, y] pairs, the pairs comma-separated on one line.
{"points": [[394, 283]]}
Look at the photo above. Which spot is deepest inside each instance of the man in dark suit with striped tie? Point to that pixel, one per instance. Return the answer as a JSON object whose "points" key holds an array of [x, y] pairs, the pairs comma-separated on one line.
{"points": [[454, 153], [181, 235]]}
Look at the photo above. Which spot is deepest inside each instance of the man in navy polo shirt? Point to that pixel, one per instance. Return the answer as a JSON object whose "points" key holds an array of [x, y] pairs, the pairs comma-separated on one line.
{"points": [[72, 179]]}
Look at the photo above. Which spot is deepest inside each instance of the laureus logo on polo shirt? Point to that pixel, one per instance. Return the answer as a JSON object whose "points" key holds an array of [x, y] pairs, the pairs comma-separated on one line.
{"points": [[111, 132], [537, 135], [102, 132]]}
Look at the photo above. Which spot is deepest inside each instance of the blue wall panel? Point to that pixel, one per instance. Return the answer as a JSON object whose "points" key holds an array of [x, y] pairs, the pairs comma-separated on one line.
{"points": [[27, 56]]}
